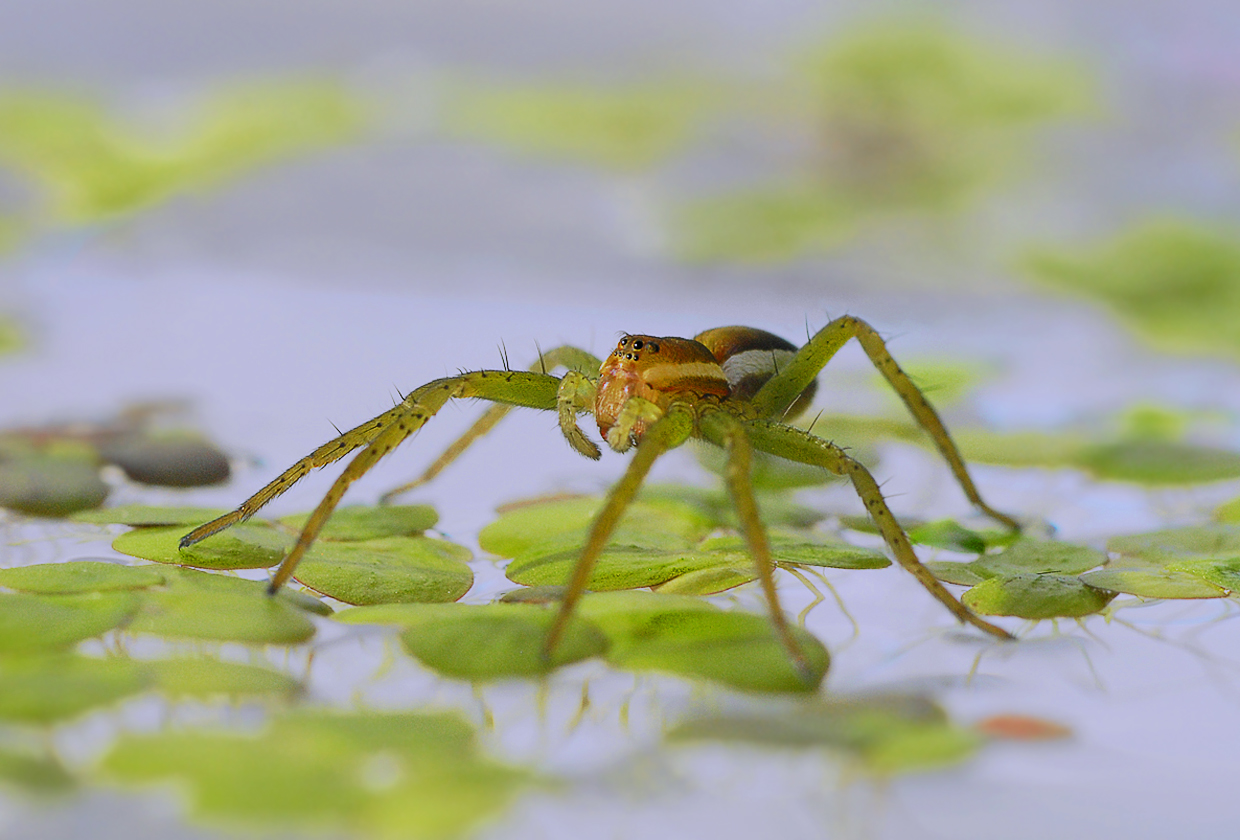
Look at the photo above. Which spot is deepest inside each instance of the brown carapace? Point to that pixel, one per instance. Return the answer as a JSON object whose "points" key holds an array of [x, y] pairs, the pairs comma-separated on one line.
{"points": [[730, 386]]}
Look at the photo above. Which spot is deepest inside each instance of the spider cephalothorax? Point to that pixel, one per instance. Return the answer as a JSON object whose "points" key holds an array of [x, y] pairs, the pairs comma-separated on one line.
{"points": [[730, 386]]}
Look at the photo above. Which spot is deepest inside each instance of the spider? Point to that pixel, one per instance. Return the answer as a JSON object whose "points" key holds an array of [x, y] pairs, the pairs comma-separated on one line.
{"points": [[731, 386]]}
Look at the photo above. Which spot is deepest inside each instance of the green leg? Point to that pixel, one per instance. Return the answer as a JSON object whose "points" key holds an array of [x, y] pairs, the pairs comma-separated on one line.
{"points": [[571, 402], [781, 391], [797, 445], [668, 432], [719, 426], [378, 437]]}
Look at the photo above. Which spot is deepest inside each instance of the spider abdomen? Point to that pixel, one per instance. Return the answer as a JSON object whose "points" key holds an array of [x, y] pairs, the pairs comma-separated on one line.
{"points": [[749, 357]]}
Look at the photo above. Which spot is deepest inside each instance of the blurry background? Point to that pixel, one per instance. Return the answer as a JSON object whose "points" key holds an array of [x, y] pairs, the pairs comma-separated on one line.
{"points": [[284, 213]]}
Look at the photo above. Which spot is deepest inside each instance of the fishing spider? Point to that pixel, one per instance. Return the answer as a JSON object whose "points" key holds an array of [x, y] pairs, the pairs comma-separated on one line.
{"points": [[731, 386]]}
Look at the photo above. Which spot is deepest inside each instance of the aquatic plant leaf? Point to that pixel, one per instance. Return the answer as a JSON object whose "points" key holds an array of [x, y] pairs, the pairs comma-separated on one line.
{"points": [[191, 612], [1036, 596], [1175, 282], [43, 623], [44, 690], [675, 634], [710, 581], [793, 549], [1025, 556], [167, 460], [232, 585], [51, 486], [620, 566], [387, 570], [1157, 548], [547, 526], [1153, 583], [245, 546], [34, 774], [624, 128], [205, 677], [948, 534], [397, 775], [888, 734], [1159, 462], [493, 641], [149, 516], [359, 522], [1223, 573], [79, 576]]}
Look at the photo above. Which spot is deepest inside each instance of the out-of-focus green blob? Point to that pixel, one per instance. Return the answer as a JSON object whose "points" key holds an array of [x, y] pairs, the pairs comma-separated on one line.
{"points": [[48, 483], [33, 773], [147, 516], [207, 678], [79, 576], [887, 734], [624, 128], [384, 775], [94, 164], [46, 690], [12, 336], [1175, 282], [45, 623]]}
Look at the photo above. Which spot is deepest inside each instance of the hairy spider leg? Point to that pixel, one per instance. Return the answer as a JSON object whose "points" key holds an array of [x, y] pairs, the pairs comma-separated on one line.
{"points": [[571, 358], [379, 437], [798, 445], [782, 390], [663, 434], [718, 424]]}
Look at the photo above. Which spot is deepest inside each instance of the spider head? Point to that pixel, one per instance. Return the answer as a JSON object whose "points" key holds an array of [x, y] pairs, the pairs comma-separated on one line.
{"points": [[655, 370]]}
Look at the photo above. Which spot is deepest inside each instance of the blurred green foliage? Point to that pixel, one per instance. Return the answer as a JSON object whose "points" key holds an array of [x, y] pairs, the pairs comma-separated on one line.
{"points": [[90, 162], [1175, 282]]}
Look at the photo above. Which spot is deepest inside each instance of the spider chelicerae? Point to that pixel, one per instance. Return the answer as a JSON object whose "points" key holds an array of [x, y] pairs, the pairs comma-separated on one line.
{"points": [[731, 386]]}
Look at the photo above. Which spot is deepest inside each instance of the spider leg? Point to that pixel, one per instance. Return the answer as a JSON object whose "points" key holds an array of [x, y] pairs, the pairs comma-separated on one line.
{"points": [[380, 436], [779, 393], [668, 432], [718, 425], [797, 445], [571, 402]]}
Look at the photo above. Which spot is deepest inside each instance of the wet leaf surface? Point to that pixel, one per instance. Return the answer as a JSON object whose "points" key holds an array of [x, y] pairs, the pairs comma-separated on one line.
{"points": [[356, 522], [79, 576], [213, 607], [147, 516], [1153, 583], [245, 546], [388, 570], [1024, 556]]}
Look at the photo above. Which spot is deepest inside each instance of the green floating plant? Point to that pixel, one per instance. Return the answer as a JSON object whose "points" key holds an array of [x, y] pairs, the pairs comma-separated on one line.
{"points": [[247, 546], [382, 775], [147, 516], [51, 483], [1025, 556], [388, 570], [1195, 562], [79, 576], [661, 541], [483, 643], [1037, 596], [35, 774], [360, 522], [45, 623], [51, 689], [884, 734], [1176, 282], [690, 638], [93, 165], [205, 678]]}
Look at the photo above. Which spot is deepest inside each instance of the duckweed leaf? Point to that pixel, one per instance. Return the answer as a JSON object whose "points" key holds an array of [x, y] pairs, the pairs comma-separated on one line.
{"points": [[1159, 462], [1153, 583], [51, 486], [167, 460], [38, 623], [35, 774], [493, 641], [548, 526], [45, 690], [146, 516], [710, 581], [620, 567], [888, 734], [190, 612], [358, 522], [79, 576], [1023, 557], [398, 775], [206, 678], [232, 585], [1035, 596], [693, 639], [949, 534], [1224, 573], [244, 546], [1157, 547], [391, 569]]}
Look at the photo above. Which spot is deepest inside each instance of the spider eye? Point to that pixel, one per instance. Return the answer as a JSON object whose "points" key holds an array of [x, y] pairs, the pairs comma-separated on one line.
{"points": [[624, 342], [637, 345]]}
